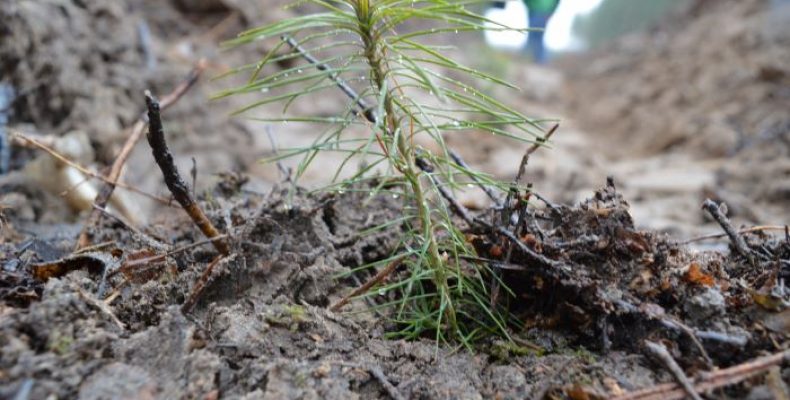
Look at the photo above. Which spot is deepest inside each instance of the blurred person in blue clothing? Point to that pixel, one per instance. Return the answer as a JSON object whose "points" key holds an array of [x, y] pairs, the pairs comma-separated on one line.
{"points": [[540, 11]]}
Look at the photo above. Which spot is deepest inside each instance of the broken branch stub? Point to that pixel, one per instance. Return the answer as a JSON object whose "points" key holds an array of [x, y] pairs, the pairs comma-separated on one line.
{"points": [[737, 240], [173, 180], [107, 189]]}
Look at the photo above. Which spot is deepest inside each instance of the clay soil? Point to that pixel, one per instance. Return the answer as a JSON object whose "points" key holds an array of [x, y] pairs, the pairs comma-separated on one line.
{"points": [[696, 108]]}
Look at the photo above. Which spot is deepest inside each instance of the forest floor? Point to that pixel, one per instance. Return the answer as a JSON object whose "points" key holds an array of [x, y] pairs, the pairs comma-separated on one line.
{"points": [[672, 121]]}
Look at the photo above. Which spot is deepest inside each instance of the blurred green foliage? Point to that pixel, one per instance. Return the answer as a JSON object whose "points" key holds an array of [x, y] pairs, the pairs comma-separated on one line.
{"points": [[614, 18]]}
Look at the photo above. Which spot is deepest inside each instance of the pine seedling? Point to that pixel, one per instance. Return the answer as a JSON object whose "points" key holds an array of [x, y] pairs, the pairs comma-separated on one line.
{"points": [[403, 91]]}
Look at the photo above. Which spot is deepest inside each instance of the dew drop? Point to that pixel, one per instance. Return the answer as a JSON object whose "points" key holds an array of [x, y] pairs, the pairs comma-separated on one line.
{"points": [[395, 196], [298, 71], [382, 291], [264, 90], [456, 123]]}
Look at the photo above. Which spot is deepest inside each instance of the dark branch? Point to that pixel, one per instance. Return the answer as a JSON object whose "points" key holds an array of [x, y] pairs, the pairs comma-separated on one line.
{"points": [[173, 180]]}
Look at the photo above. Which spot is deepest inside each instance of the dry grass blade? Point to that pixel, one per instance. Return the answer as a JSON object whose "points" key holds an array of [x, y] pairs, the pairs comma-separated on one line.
{"points": [[35, 143]]}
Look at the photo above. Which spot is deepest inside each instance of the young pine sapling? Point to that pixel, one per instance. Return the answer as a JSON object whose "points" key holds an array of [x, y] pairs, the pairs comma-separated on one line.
{"points": [[403, 91]]}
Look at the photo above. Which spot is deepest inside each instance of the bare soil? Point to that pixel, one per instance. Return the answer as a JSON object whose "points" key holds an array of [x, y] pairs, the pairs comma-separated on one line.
{"points": [[617, 273]]}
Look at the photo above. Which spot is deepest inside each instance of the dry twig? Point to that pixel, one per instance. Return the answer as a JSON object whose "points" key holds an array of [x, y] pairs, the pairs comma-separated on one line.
{"points": [[490, 193], [173, 180], [200, 285], [710, 381], [737, 240], [673, 323], [138, 233], [159, 257], [759, 228], [379, 375], [535, 146], [102, 306], [660, 351], [137, 133], [369, 284]]}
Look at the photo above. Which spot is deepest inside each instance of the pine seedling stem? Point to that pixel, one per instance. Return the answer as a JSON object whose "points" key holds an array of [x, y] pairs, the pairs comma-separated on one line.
{"points": [[407, 158]]}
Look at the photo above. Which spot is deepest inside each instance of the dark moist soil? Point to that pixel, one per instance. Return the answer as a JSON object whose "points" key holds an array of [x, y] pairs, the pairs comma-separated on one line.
{"points": [[591, 290], [262, 329]]}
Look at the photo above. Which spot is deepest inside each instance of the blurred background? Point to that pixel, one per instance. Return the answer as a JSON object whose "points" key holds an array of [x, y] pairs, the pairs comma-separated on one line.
{"points": [[678, 100]]}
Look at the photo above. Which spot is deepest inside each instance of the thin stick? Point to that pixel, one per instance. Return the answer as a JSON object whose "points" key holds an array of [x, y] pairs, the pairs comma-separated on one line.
{"points": [[737, 241], [200, 285], [522, 167], [365, 109], [660, 351], [78, 167], [389, 387], [535, 146], [490, 193], [385, 272], [379, 375], [692, 334], [173, 180], [160, 257], [758, 228], [118, 219], [553, 207], [539, 258], [102, 306], [710, 381], [96, 247], [147, 239], [137, 133]]}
